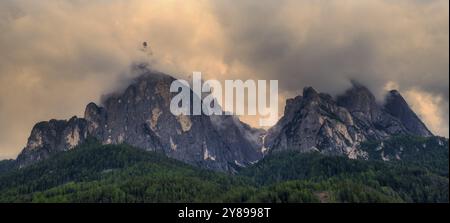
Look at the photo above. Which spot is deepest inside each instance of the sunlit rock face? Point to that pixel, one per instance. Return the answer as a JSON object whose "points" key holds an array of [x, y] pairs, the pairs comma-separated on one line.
{"points": [[318, 122], [141, 116]]}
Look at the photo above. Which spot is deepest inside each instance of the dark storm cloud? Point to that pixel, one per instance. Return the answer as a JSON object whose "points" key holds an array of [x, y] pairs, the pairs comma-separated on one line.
{"points": [[373, 41], [325, 44]]}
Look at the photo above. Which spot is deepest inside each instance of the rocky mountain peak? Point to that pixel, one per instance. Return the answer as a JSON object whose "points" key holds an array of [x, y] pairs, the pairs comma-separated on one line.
{"points": [[397, 106], [310, 93], [318, 122], [140, 116], [359, 100]]}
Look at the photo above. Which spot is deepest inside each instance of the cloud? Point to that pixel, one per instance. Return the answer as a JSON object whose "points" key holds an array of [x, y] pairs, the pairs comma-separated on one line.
{"points": [[56, 56], [431, 109], [326, 43], [320, 42]]}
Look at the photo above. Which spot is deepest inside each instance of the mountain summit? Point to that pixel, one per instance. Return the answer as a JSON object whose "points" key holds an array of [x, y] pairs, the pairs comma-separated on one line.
{"points": [[140, 116]]}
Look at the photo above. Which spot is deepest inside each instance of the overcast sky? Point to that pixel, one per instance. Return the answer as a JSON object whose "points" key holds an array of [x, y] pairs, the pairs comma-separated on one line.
{"points": [[56, 56]]}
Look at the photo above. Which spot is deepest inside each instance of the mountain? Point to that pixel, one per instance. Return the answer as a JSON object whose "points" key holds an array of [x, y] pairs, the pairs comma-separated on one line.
{"points": [[92, 172], [338, 126], [140, 116], [313, 122]]}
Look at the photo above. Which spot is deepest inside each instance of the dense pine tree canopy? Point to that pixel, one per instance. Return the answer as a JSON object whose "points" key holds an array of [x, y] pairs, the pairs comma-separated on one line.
{"points": [[120, 173]]}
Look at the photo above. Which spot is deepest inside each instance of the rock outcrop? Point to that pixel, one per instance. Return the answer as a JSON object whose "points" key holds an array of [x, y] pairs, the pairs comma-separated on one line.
{"points": [[318, 122], [50, 137]]}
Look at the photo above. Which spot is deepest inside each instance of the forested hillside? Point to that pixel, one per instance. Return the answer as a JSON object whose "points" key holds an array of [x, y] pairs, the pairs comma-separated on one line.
{"points": [[121, 173]]}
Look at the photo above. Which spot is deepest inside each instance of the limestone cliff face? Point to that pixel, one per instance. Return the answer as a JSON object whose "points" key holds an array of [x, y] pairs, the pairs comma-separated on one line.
{"points": [[50, 137], [314, 122], [140, 116], [318, 122]]}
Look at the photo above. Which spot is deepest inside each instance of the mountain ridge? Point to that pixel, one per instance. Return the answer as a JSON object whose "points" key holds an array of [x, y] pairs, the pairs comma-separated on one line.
{"points": [[337, 126], [140, 116]]}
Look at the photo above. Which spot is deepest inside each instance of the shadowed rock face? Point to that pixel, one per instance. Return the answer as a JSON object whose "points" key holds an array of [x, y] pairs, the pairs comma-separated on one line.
{"points": [[140, 116], [317, 122], [368, 115], [397, 107]]}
